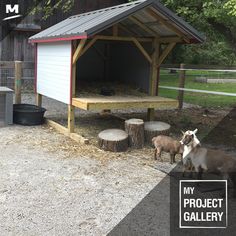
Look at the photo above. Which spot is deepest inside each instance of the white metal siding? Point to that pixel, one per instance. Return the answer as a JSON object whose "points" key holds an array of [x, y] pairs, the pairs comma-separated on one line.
{"points": [[54, 70]]}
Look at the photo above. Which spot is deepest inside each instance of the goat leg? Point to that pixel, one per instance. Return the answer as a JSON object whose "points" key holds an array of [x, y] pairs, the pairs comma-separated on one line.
{"points": [[172, 156], [155, 154], [160, 156], [199, 174]]}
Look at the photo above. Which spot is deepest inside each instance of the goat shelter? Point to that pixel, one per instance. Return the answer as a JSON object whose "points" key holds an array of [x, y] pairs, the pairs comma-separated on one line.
{"points": [[126, 43]]}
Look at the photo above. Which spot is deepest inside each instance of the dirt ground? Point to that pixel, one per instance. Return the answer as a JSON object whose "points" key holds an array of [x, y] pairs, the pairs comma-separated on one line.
{"points": [[51, 185]]}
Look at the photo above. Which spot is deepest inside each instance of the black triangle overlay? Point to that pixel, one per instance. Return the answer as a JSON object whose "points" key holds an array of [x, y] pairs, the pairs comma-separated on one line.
{"points": [[158, 212]]}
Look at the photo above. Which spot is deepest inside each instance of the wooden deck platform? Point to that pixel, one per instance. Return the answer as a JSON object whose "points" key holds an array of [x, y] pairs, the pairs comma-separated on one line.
{"points": [[126, 102]]}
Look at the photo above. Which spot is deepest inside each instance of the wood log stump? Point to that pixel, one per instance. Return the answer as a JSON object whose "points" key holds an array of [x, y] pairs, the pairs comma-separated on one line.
{"points": [[155, 128], [135, 130], [114, 140]]}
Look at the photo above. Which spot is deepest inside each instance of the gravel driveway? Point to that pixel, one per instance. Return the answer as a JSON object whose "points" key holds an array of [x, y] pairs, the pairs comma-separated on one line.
{"points": [[51, 185]]}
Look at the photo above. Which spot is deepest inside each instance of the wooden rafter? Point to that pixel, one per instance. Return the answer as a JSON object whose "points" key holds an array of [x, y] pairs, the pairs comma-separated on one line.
{"points": [[78, 50], [165, 53], [143, 26], [124, 28], [167, 24], [142, 50], [89, 45]]}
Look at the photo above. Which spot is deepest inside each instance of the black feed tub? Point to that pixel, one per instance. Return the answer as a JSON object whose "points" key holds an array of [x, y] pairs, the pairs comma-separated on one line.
{"points": [[26, 114]]}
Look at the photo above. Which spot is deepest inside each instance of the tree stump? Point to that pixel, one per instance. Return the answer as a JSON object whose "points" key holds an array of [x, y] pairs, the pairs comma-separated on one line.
{"points": [[114, 140], [155, 128], [135, 130]]}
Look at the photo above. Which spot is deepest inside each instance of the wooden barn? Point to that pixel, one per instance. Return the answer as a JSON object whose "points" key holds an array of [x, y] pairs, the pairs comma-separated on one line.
{"points": [[127, 42], [15, 33]]}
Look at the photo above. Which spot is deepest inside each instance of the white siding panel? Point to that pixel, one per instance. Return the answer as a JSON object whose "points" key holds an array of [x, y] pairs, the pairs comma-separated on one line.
{"points": [[54, 70]]}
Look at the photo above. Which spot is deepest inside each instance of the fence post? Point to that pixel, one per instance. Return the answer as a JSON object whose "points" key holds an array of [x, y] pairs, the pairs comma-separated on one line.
{"points": [[18, 76], [181, 85]]}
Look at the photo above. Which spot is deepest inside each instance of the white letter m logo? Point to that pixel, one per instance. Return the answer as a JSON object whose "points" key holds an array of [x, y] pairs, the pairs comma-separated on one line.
{"points": [[10, 9]]}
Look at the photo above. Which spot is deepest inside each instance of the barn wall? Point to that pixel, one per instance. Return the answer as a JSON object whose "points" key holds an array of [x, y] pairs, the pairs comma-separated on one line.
{"points": [[11, 48], [128, 65], [15, 46], [54, 71]]}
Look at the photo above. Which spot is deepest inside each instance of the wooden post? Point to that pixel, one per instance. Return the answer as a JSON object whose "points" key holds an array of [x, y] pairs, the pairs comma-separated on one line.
{"points": [[158, 80], [71, 118], [71, 108], [181, 85], [153, 76], [18, 76], [38, 99]]}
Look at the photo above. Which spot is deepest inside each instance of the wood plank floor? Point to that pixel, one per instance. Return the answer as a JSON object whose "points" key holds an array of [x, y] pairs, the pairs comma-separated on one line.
{"points": [[123, 102]]}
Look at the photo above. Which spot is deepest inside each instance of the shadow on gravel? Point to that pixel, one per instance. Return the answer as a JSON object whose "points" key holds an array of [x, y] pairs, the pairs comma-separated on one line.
{"points": [[158, 213]]}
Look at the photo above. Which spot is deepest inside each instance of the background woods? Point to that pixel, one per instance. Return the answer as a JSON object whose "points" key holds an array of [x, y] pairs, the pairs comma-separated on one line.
{"points": [[217, 20]]}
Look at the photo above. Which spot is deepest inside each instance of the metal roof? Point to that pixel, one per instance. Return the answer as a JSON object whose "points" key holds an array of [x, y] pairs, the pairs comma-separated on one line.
{"points": [[158, 21]]}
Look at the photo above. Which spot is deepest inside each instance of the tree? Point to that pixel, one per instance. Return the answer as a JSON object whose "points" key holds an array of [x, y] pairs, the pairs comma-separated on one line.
{"points": [[47, 7], [231, 7], [217, 19], [217, 22]]}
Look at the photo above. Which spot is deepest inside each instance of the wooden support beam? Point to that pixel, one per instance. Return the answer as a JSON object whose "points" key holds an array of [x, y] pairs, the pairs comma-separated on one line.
{"points": [[73, 84], [71, 118], [78, 50], [143, 26], [89, 45], [153, 75], [142, 50], [63, 130], [121, 26], [181, 85], [120, 38], [167, 24], [39, 100], [165, 53]]}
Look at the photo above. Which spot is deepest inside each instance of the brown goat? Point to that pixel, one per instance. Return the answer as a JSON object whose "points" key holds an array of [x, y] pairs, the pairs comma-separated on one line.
{"points": [[167, 144]]}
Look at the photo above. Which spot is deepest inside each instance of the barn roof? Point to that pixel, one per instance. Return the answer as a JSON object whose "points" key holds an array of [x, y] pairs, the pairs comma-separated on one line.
{"points": [[144, 18]]}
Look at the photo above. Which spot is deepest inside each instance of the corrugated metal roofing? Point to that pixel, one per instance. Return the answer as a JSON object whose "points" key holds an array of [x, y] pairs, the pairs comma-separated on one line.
{"points": [[88, 24]]}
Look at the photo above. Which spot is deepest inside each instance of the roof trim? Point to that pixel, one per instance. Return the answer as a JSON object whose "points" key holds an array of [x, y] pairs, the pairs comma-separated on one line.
{"points": [[49, 40]]}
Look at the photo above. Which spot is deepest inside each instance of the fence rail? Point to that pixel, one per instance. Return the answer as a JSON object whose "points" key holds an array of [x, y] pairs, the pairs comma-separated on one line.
{"points": [[183, 69], [197, 67], [11, 65]]}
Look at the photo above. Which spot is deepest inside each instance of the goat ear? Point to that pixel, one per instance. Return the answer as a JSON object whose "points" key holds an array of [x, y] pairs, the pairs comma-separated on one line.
{"points": [[182, 132], [195, 131]]}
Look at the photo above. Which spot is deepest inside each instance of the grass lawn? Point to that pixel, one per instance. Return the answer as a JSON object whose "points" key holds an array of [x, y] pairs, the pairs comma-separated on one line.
{"points": [[205, 100]]}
